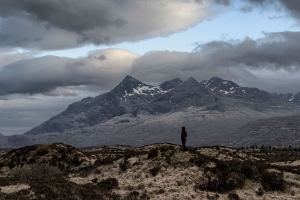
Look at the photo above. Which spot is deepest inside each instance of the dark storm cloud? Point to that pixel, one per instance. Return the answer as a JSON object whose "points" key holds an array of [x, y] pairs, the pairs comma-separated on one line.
{"points": [[223, 2], [290, 6], [73, 15], [276, 50], [25, 33], [61, 24]]}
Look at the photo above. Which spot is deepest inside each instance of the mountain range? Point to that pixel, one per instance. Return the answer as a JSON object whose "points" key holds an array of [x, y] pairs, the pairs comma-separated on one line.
{"points": [[135, 113], [290, 97]]}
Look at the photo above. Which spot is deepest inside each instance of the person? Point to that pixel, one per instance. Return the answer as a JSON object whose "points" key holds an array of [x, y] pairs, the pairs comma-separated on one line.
{"points": [[183, 137]]}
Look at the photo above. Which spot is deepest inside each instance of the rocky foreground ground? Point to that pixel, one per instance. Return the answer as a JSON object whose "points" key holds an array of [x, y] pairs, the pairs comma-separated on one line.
{"points": [[158, 171]]}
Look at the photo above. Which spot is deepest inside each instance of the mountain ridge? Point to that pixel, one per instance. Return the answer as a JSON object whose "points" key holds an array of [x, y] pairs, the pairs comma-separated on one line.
{"points": [[227, 88], [137, 114], [290, 97], [131, 96]]}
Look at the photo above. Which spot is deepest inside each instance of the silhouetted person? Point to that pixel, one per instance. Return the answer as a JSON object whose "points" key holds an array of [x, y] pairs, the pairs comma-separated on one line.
{"points": [[183, 137]]}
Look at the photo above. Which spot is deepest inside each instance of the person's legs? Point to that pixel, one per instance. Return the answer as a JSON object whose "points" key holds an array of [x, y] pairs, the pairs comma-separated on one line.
{"points": [[183, 144]]}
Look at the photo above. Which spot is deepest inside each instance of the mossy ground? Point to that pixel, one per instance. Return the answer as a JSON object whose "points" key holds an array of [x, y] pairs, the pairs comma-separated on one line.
{"points": [[158, 171]]}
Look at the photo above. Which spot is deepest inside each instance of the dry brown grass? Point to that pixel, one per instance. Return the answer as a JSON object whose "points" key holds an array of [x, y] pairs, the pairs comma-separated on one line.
{"points": [[160, 171]]}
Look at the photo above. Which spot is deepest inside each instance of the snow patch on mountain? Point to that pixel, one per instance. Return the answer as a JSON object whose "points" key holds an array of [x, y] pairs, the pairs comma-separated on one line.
{"points": [[225, 87], [225, 92], [144, 89]]}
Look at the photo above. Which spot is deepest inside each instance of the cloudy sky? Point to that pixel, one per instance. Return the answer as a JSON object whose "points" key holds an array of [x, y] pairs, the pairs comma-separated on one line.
{"points": [[55, 52]]}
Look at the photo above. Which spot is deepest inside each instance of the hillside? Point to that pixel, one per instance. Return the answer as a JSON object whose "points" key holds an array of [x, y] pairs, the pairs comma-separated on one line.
{"points": [[157, 171], [275, 131]]}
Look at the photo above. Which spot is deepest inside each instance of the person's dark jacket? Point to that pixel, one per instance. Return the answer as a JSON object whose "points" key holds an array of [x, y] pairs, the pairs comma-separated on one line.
{"points": [[183, 135]]}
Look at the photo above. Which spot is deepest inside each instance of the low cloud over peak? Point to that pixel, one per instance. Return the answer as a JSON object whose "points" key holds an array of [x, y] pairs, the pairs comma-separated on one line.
{"points": [[255, 63]]}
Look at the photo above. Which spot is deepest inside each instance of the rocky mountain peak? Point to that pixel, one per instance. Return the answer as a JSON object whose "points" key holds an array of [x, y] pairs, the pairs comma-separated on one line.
{"points": [[226, 88], [190, 82], [131, 87], [224, 85], [129, 81], [290, 97], [191, 79], [171, 84], [191, 86], [287, 96], [129, 78], [127, 85], [216, 79]]}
